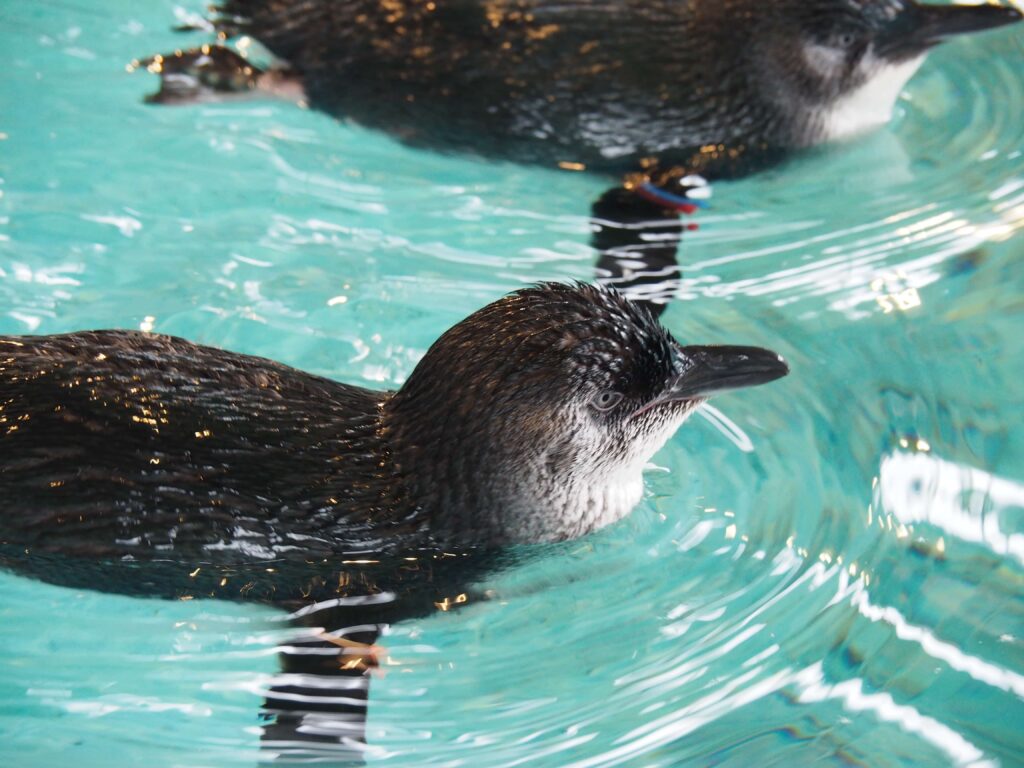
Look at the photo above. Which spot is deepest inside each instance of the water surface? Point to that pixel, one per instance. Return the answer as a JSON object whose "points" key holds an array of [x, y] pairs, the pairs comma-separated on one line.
{"points": [[828, 569]]}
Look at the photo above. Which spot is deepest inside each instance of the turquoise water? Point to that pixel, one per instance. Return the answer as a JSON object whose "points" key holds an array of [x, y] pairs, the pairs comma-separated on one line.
{"points": [[827, 569]]}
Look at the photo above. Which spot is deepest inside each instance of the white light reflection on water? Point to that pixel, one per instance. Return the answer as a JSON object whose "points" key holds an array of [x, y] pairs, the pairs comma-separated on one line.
{"points": [[979, 669], [739, 691], [748, 612], [727, 427], [965, 502], [814, 688]]}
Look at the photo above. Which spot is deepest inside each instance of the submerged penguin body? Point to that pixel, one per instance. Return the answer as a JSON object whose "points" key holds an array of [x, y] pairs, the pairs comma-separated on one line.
{"points": [[151, 466], [128, 447], [719, 85]]}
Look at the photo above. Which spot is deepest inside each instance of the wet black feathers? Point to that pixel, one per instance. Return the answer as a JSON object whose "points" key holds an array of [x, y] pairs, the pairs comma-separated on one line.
{"points": [[157, 442], [121, 444], [602, 82]]}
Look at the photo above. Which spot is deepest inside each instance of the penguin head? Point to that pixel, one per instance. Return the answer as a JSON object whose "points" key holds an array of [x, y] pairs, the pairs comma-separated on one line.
{"points": [[843, 63], [541, 409]]}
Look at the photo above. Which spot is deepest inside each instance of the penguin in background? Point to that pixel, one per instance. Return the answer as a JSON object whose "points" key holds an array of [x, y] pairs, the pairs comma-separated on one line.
{"points": [[662, 95]]}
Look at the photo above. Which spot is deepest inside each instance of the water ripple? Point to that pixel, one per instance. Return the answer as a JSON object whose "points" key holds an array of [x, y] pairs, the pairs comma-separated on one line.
{"points": [[830, 569]]}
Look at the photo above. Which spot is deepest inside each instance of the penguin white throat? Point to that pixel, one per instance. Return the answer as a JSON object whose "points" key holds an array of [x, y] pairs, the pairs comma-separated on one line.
{"points": [[601, 483], [869, 105]]}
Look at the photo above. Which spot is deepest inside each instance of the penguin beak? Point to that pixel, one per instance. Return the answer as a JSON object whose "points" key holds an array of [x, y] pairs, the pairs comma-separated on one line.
{"points": [[919, 27], [705, 371]]}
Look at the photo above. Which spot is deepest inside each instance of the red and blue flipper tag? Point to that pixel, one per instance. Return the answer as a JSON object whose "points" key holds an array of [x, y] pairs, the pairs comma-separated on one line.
{"points": [[695, 194], [683, 203]]}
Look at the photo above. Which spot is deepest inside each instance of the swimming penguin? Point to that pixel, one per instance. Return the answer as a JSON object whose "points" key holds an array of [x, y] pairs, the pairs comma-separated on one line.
{"points": [[663, 93], [148, 465]]}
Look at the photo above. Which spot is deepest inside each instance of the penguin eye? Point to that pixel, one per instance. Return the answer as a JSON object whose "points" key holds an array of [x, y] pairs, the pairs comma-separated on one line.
{"points": [[606, 399], [845, 40]]}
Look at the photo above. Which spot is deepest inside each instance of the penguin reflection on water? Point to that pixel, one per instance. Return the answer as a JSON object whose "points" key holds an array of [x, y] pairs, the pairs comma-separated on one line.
{"points": [[148, 465], [658, 92]]}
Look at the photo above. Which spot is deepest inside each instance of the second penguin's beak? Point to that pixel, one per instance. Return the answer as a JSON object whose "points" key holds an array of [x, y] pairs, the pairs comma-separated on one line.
{"points": [[705, 371], [918, 27]]}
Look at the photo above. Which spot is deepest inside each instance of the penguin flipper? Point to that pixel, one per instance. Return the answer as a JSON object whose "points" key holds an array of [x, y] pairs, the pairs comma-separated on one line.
{"points": [[207, 73], [637, 231], [315, 708]]}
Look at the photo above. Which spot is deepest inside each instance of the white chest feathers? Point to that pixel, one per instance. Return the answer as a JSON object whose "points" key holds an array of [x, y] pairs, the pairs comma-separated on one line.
{"points": [[610, 491], [870, 105], [609, 501]]}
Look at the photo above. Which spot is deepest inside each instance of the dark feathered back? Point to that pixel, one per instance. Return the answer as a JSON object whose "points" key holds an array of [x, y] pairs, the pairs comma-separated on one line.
{"points": [[128, 434]]}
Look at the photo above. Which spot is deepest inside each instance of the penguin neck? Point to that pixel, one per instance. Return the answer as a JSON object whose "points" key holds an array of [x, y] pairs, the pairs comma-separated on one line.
{"points": [[870, 105], [479, 483]]}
